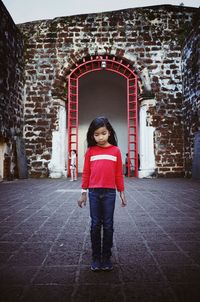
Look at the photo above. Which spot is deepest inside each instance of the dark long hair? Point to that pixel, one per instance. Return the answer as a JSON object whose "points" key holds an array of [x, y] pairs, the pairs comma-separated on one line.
{"points": [[98, 122]]}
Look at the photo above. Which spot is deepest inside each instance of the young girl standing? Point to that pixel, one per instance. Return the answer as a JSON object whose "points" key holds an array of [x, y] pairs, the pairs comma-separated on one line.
{"points": [[73, 165], [102, 175]]}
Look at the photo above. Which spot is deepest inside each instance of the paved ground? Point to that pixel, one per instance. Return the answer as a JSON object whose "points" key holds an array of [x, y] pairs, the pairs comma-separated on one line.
{"points": [[45, 244]]}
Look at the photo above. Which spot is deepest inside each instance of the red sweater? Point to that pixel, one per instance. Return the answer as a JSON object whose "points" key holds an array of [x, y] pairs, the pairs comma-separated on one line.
{"points": [[103, 168]]}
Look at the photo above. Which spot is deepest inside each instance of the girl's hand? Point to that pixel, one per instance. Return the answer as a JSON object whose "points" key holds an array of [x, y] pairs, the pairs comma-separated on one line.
{"points": [[123, 199], [82, 200]]}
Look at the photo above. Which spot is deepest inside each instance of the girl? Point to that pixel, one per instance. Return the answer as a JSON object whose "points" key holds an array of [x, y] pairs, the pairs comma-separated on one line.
{"points": [[73, 165], [102, 174]]}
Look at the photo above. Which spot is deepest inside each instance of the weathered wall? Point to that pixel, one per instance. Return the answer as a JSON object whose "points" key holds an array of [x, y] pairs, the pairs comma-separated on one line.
{"points": [[11, 93], [149, 38], [191, 92]]}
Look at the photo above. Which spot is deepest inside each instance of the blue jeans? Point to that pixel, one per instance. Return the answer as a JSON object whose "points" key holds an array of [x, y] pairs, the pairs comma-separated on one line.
{"points": [[102, 205]]}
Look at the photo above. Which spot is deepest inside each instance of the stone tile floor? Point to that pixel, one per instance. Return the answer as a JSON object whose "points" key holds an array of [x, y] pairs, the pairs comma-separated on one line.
{"points": [[45, 248]]}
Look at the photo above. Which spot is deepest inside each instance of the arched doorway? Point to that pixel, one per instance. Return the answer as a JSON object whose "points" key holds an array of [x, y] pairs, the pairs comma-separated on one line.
{"points": [[104, 63]]}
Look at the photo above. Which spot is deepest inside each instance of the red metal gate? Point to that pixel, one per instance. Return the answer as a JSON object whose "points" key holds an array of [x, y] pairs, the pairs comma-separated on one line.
{"points": [[99, 63]]}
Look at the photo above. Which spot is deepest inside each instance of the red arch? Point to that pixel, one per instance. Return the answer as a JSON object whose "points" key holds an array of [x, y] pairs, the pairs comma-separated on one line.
{"points": [[99, 63]]}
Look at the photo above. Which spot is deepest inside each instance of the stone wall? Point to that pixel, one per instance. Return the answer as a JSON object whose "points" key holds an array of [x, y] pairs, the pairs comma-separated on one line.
{"points": [[150, 39], [191, 92], [11, 93]]}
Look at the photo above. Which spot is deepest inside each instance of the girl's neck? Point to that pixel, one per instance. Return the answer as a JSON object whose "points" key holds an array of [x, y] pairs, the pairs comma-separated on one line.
{"points": [[105, 145]]}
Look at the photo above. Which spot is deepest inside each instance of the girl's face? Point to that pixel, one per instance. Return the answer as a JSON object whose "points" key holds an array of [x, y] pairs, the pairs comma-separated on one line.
{"points": [[101, 136]]}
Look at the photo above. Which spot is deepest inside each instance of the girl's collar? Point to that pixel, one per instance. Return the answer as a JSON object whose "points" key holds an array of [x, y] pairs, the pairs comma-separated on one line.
{"points": [[108, 146]]}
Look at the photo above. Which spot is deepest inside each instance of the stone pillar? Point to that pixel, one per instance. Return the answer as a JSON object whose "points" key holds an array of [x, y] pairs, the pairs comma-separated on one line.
{"points": [[57, 165], [2, 151], [146, 141]]}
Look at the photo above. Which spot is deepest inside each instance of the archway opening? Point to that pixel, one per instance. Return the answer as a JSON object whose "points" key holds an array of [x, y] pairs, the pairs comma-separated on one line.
{"points": [[102, 94], [118, 67]]}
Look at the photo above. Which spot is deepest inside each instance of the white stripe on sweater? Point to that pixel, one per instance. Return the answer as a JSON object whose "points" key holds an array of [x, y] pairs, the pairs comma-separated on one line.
{"points": [[103, 156]]}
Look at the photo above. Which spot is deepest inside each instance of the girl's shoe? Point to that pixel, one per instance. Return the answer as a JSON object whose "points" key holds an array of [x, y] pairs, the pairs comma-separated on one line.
{"points": [[106, 265], [96, 265]]}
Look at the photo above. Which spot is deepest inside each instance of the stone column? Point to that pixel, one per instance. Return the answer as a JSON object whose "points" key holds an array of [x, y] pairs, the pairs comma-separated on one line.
{"points": [[146, 141], [57, 165], [2, 151]]}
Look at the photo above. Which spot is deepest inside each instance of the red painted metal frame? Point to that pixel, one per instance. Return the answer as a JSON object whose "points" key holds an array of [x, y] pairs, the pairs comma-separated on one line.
{"points": [[113, 65]]}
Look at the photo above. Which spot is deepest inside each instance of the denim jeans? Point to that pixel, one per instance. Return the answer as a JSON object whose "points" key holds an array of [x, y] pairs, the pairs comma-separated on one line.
{"points": [[102, 205]]}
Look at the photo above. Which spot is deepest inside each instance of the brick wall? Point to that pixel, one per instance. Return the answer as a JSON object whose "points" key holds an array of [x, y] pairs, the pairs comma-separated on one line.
{"points": [[150, 39], [11, 92]]}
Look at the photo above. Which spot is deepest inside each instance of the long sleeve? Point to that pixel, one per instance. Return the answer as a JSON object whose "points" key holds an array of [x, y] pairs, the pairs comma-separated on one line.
{"points": [[119, 178], [86, 171]]}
